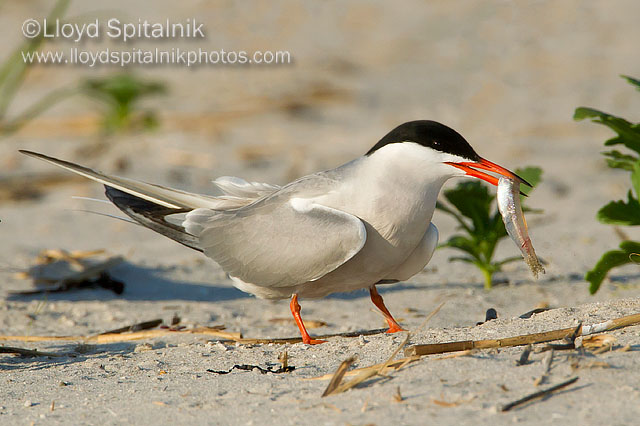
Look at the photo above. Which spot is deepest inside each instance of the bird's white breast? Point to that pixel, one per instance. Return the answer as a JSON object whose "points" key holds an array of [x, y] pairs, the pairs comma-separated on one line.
{"points": [[394, 192]]}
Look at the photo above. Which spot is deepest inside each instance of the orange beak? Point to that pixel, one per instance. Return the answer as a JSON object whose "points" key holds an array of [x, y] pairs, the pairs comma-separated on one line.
{"points": [[489, 166]]}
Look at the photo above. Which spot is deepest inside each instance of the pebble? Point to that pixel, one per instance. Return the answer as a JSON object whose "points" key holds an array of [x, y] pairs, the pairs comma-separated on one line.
{"points": [[143, 347], [217, 345]]}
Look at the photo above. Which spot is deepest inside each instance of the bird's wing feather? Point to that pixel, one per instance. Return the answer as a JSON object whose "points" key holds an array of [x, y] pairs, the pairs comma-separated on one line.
{"points": [[237, 187], [278, 243], [166, 197]]}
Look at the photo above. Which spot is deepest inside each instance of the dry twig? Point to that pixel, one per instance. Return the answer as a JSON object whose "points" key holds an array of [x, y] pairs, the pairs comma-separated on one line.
{"points": [[27, 352], [547, 368], [336, 378], [127, 337], [435, 348], [538, 394]]}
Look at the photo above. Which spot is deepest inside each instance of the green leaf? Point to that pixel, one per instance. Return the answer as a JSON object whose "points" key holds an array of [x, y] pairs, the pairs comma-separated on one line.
{"points": [[631, 247], [509, 260], [531, 174], [635, 177], [14, 70], [461, 259], [621, 213], [455, 215], [497, 226], [462, 243], [120, 93], [632, 81], [582, 113], [472, 200], [628, 133], [617, 212], [122, 90], [610, 260], [618, 160]]}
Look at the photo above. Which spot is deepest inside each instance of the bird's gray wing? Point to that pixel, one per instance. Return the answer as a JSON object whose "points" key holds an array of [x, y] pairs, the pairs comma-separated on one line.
{"points": [[278, 241]]}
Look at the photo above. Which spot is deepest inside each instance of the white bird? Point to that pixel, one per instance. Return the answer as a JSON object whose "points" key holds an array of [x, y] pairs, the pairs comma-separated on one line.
{"points": [[364, 223]]}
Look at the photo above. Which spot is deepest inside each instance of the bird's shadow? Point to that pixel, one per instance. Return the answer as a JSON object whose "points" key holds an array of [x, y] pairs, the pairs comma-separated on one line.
{"points": [[154, 284], [145, 284]]}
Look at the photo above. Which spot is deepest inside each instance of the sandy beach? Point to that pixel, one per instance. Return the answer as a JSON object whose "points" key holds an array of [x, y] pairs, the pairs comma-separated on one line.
{"points": [[507, 76]]}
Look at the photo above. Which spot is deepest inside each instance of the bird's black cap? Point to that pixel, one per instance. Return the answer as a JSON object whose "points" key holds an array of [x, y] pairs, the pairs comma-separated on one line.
{"points": [[430, 134]]}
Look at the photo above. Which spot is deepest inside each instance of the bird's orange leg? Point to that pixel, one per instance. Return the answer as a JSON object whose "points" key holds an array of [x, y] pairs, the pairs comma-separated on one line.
{"points": [[295, 310], [394, 327]]}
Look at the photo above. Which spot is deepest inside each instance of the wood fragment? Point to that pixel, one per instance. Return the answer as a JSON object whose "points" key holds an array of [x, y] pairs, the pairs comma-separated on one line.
{"points": [[443, 403], [532, 312], [284, 359], [431, 315], [569, 342], [576, 365], [546, 369], [28, 352], [365, 373], [599, 341], [147, 334], [126, 337], [136, 327], [336, 378], [397, 364], [538, 394], [393, 355], [310, 324], [291, 340], [603, 349], [436, 348], [449, 356], [397, 397], [524, 358]]}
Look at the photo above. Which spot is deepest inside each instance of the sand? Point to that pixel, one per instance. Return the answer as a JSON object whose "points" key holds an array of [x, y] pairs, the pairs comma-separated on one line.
{"points": [[506, 76]]}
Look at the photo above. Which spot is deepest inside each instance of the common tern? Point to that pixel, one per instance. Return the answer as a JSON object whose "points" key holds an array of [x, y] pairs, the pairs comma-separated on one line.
{"points": [[364, 223]]}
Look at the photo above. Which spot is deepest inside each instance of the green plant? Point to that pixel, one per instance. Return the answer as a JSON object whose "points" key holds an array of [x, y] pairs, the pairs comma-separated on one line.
{"points": [[621, 212], [121, 94], [472, 206], [13, 72]]}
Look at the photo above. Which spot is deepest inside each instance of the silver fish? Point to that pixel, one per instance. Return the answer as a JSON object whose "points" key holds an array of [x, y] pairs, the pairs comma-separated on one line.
{"points": [[515, 223]]}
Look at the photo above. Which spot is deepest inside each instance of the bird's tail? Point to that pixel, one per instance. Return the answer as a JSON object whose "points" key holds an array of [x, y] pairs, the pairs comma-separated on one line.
{"points": [[153, 206], [153, 216]]}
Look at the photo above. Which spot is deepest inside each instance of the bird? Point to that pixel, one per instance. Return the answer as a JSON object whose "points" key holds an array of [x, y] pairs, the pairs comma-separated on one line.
{"points": [[365, 223]]}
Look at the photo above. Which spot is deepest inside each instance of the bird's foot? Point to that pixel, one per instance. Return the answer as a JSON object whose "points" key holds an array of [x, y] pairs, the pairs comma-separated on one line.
{"points": [[394, 329], [295, 310], [310, 341]]}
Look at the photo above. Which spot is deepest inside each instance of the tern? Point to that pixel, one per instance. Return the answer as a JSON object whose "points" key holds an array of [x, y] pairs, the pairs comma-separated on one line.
{"points": [[364, 223]]}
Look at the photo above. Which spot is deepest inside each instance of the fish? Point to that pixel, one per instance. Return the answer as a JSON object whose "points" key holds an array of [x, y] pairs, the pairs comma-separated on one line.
{"points": [[516, 225]]}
